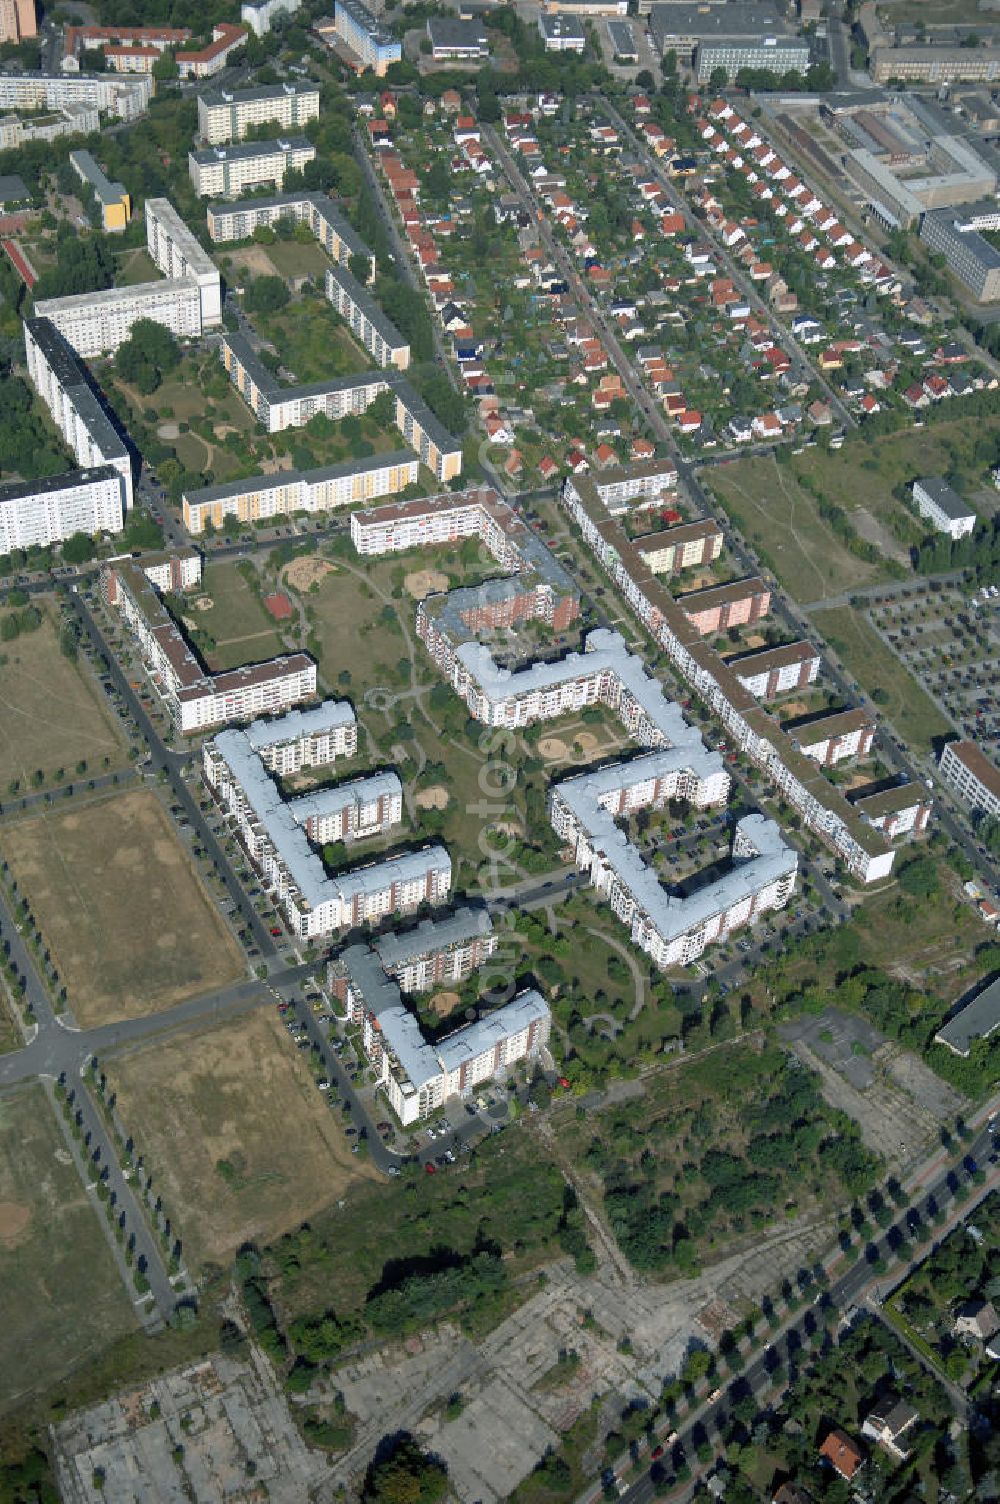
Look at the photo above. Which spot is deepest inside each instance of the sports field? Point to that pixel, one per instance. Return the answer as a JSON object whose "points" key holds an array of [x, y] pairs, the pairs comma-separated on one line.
{"points": [[243, 1142], [63, 1299], [52, 712], [237, 621], [123, 912], [915, 717]]}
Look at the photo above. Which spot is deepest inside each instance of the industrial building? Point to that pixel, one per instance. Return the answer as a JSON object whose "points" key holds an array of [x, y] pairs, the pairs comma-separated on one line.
{"points": [[562, 33], [225, 171], [228, 114], [456, 40], [285, 492]]}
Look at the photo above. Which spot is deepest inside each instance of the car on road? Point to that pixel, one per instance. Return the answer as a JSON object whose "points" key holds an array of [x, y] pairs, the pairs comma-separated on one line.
{"points": [[431, 1170], [275, 929]]}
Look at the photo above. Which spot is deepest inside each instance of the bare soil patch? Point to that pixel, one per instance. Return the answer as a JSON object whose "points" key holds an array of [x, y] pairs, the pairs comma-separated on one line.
{"points": [[444, 1003], [553, 748], [14, 1218], [423, 582], [302, 574], [435, 797], [586, 741]]}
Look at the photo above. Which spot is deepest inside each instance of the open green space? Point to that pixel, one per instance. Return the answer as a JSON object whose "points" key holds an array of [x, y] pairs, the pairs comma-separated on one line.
{"points": [[134, 266], [236, 628], [63, 1296], [782, 522], [294, 258], [713, 1152], [312, 340], [879, 672]]}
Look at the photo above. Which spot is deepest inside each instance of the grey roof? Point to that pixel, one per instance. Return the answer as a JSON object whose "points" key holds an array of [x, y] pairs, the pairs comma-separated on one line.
{"points": [[554, 27], [340, 276], [248, 150], [12, 189], [362, 16], [71, 374], [537, 566], [622, 38], [271, 388], [976, 1019], [217, 98], [296, 724], [947, 499], [319, 204], [17, 490], [448, 31], [486, 1032], [93, 174], [298, 477], [199, 262], [739, 18], [403, 946]]}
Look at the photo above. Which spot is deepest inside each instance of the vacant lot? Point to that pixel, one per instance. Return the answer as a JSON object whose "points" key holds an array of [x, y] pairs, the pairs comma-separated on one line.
{"points": [[52, 713], [915, 717], [130, 928], [237, 622], [243, 1143], [63, 1297], [783, 523]]}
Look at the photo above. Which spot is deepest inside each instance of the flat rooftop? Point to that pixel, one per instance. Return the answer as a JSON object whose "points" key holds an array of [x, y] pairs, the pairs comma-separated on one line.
{"points": [[976, 1020]]}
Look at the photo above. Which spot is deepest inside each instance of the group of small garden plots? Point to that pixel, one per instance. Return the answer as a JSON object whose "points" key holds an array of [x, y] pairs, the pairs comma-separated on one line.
{"points": [[54, 714], [124, 915], [951, 646], [64, 1301], [229, 609], [243, 1145], [900, 698], [711, 1153]]}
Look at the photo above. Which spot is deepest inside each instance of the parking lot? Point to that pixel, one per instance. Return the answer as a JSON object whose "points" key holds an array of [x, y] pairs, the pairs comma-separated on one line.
{"points": [[948, 638]]}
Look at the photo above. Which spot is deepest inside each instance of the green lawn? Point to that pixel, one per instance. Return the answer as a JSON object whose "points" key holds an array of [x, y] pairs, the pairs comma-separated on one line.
{"points": [[313, 341], [136, 266], [291, 258], [915, 717], [242, 630], [782, 522]]}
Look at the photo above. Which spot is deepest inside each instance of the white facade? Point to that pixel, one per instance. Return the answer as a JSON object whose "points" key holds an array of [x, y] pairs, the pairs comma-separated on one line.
{"points": [[973, 777], [178, 254], [258, 14], [48, 511], [228, 114], [943, 508], [126, 99], [226, 171], [96, 323]]}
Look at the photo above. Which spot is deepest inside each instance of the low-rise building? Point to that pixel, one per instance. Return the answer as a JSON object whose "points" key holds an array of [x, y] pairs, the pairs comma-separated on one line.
{"points": [[936, 501], [113, 198], [971, 775], [211, 59], [49, 510], [976, 1019], [285, 492], [226, 171], [562, 33], [842, 1453], [891, 1424], [450, 38], [228, 114]]}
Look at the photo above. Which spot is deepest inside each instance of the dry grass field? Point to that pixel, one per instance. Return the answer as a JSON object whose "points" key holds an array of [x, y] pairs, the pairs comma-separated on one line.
{"points": [[52, 713], [242, 1142], [63, 1298], [129, 925]]}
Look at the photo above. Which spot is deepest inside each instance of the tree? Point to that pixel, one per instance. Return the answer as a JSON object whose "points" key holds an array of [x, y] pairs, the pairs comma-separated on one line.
{"points": [[147, 355], [266, 295], [359, 267], [165, 68], [919, 878], [406, 1475]]}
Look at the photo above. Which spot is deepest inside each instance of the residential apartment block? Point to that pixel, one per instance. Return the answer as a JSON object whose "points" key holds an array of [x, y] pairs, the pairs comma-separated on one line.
{"points": [[331, 228], [419, 1077], [226, 171], [821, 806], [172, 569], [899, 811], [371, 42], [686, 546], [75, 120], [210, 60], [17, 20], [776, 671], [179, 255], [936, 501], [718, 607], [125, 99], [284, 492], [125, 49], [438, 952], [305, 738], [830, 739], [635, 486], [369, 325], [973, 259], [258, 14], [228, 114], [113, 198], [54, 508], [96, 323], [276, 834], [62, 383], [971, 775], [195, 698]]}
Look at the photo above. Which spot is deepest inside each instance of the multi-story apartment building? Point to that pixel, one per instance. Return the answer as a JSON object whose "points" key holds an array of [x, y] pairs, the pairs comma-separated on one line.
{"points": [[685, 546], [435, 520], [125, 99], [369, 39], [821, 806], [114, 199], [49, 510], [173, 569], [776, 54], [284, 492], [305, 738], [830, 739], [278, 407], [76, 120], [226, 171], [935, 65], [258, 14], [776, 671], [419, 1077], [179, 255], [942, 506], [896, 812], [717, 607], [620, 491], [228, 114], [331, 228], [973, 259], [210, 60], [195, 698], [438, 952], [369, 325], [126, 49], [17, 20], [276, 835], [96, 323], [975, 780], [64, 386]]}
